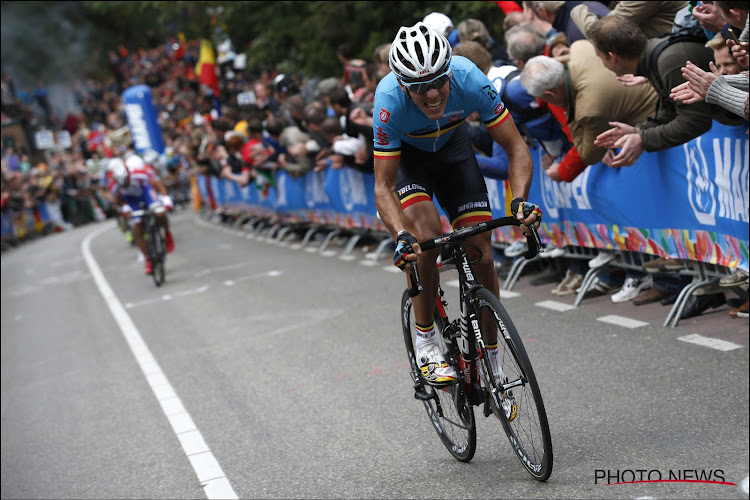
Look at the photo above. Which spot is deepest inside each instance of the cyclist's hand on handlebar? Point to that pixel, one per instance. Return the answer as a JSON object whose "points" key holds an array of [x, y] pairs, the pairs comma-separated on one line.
{"points": [[526, 212], [406, 250]]}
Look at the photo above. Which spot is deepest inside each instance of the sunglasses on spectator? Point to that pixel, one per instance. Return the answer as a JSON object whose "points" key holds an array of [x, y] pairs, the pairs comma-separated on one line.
{"points": [[424, 87]]}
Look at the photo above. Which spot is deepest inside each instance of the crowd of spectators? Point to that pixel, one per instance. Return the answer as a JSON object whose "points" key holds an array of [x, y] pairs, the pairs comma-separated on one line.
{"points": [[257, 121]]}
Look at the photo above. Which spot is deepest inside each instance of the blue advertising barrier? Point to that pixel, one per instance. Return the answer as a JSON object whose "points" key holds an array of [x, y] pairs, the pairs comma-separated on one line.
{"points": [[688, 202], [142, 119]]}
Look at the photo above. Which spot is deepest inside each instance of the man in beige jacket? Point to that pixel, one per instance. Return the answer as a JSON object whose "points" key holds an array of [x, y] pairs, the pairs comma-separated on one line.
{"points": [[591, 97]]}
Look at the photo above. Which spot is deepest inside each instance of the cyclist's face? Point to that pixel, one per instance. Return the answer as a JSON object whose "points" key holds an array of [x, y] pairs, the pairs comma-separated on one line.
{"points": [[433, 102]]}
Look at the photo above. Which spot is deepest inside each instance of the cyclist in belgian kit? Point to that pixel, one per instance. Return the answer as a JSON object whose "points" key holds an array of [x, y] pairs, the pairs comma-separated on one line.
{"points": [[422, 149]]}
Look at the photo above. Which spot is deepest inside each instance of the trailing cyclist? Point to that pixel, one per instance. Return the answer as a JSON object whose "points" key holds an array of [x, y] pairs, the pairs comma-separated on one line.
{"points": [[421, 149], [133, 186]]}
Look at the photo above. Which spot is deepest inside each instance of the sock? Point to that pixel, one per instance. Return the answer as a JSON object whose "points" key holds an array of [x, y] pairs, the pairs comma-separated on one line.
{"points": [[425, 335], [493, 355]]}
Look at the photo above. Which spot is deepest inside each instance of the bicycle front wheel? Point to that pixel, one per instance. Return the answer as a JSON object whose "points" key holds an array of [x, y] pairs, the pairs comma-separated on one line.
{"points": [[157, 251], [449, 410], [515, 396]]}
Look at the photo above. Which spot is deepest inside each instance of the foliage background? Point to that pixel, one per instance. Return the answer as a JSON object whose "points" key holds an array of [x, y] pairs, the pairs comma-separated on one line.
{"points": [[57, 41]]}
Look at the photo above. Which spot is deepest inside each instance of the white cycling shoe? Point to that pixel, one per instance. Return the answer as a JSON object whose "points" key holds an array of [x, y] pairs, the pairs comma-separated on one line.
{"points": [[433, 367]]}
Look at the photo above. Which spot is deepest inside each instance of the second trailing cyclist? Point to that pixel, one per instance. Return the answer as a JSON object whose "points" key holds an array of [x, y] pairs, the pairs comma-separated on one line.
{"points": [[421, 149]]}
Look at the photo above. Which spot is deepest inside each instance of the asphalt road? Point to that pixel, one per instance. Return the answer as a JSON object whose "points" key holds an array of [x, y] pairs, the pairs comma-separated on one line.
{"points": [[263, 371]]}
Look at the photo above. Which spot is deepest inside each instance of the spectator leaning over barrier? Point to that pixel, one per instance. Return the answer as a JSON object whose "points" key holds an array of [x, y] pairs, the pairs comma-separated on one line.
{"points": [[591, 97], [652, 17], [624, 49], [233, 167], [531, 117], [559, 15]]}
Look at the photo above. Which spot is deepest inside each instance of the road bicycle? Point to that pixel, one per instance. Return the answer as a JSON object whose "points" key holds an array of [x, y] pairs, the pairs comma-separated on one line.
{"points": [[153, 234], [513, 395]]}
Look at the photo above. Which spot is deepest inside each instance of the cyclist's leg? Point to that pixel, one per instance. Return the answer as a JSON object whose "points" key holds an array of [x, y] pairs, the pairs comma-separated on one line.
{"points": [[137, 225], [151, 201], [140, 242], [423, 222], [462, 192]]}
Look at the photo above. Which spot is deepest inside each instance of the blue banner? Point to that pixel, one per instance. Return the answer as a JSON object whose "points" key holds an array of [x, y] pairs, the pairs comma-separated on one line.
{"points": [[142, 119], [687, 202]]}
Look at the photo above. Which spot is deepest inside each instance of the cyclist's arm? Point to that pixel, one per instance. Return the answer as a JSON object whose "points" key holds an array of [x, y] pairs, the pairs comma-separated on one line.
{"points": [[386, 199], [520, 167], [158, 185]]}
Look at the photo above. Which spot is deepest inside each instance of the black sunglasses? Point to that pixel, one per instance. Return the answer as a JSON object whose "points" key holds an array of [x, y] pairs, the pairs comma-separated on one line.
{"points": [[424, 87]]}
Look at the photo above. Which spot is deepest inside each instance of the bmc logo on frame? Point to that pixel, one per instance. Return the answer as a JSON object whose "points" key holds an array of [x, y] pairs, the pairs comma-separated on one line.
{"points": [[612, 477]]}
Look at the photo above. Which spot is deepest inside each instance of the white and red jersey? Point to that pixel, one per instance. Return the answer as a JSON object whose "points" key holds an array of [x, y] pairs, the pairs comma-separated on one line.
{"points": [[140, 181]]}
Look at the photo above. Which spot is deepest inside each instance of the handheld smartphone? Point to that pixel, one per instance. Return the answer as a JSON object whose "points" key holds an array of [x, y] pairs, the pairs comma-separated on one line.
{"points": [[734, 37]]}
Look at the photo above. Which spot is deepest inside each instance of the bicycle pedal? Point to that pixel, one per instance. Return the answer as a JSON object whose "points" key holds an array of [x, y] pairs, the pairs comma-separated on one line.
{"points": [[423, 396]]}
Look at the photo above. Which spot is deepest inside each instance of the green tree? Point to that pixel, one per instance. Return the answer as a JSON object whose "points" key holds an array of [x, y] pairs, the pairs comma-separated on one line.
{"points": [[59, 40]]}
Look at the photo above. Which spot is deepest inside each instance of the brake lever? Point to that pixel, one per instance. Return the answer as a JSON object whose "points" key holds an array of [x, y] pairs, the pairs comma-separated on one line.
{"points": [[537, 246], [416, 288]]}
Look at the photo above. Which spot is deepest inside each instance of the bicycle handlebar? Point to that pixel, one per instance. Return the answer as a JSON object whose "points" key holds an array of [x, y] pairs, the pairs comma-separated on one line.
{"points": [[460, 235], [141, 212]]}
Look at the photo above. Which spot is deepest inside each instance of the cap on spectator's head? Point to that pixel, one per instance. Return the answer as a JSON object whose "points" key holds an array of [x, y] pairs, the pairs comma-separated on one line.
{"points": [[438, 22], [326, 86], [283, 83]]}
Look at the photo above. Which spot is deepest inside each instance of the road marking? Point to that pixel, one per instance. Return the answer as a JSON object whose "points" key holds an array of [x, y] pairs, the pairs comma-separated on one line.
{"points": [[555, 305], [614, 319], [718, 344], [210, 475], [744, 485]]}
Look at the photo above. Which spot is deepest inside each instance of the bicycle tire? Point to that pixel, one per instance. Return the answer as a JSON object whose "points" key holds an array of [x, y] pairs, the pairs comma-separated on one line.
{"points": [[156, 251], [528, 432], [449, 410]]}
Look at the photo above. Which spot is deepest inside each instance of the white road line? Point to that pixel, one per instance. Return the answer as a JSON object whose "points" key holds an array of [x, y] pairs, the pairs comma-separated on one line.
{"points": [[555, 305], [614, 319], [718, 344], [210, 475], [744, 485]]}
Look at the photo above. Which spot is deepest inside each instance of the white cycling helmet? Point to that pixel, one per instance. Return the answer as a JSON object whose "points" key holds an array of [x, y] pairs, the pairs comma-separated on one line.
{"points": [[120, 172], [134, 162], [419, 51]]}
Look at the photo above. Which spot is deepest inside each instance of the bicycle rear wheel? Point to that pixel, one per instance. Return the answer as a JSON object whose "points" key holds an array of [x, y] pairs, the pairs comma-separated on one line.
{"points": [[449, 410], [516, 399]]}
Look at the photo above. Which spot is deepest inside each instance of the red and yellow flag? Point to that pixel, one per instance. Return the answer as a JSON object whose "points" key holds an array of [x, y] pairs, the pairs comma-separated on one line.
{"points": [[206, 67]]}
